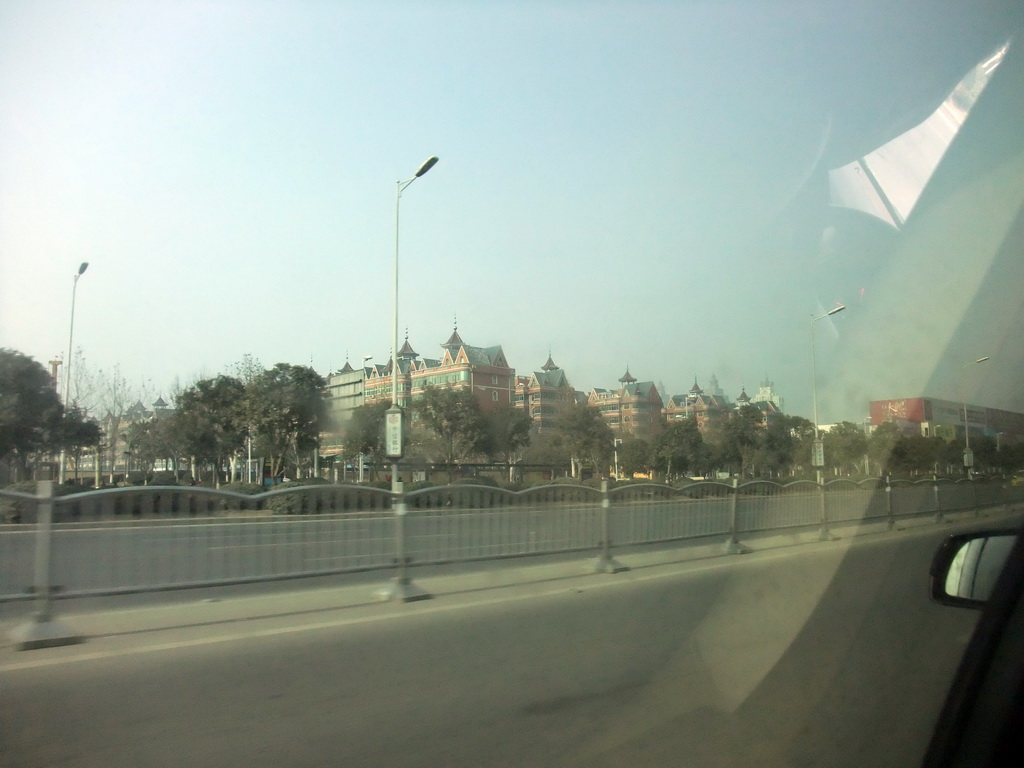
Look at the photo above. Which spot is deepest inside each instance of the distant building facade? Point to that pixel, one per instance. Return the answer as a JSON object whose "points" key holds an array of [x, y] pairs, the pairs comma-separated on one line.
{"points": [[766, 394], [484, 371], [634, 409], [703, 406], [932, 417], [544, 394], [707, 406], [344, 393]]}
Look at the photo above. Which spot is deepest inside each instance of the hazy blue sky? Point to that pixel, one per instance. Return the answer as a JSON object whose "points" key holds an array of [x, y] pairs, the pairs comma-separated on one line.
{"points": [[228, 170]]}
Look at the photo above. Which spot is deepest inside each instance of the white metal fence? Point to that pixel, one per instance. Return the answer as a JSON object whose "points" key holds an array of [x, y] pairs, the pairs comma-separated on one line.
{"points": [[150, 538]]}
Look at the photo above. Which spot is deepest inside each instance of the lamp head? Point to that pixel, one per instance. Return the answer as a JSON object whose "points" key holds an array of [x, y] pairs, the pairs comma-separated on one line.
{"points": [[426, 166]]}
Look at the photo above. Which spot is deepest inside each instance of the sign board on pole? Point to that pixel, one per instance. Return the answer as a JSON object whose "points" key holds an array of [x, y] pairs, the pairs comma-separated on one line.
{"points": [[393, 432], [817, 454], [968, 458]]}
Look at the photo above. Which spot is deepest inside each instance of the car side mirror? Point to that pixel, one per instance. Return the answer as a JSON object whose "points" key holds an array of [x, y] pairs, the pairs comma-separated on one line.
{"points": [[966, 567]]}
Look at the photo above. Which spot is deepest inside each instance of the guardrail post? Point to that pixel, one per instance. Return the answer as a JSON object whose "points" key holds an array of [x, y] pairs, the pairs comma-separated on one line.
{"points": [[824, 534], [401, 588], [605, 563], [732, 544], [888, 502], [935, 495], [44, 630]]}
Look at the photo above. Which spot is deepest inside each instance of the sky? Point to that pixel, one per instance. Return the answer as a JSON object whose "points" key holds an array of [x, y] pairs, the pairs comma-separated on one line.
{"points": [[228, 170]]}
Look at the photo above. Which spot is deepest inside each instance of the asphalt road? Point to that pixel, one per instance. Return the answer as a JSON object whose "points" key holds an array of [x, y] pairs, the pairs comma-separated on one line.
{"points": [[824, 654]]}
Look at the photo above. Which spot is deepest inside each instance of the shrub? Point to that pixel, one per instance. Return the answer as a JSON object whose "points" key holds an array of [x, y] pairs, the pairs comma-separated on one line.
{"points": [[297, 503], [250, 489], [420, 485], [245, 489], [13, 510], [163, 477], [557, 481], [484, 481]]}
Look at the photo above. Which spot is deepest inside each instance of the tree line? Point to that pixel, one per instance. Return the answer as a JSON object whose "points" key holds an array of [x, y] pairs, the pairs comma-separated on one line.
{"points": [[449, 427], [276, 413], [280, 413]]}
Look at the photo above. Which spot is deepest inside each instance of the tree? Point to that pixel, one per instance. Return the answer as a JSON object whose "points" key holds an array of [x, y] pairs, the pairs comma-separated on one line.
{"points": [[984, 449], [210, 420], [286, 407], [78, 432], [364, 432], [845, 446], [916, 454], [155, 439], [785, 445], [509, 429], [586, 437], [454, 418], [737, 440], [547, 447], [30, 409], [1010, 458], [247, 370], [634, 456], [110, 394], [679, 448], [951, 456], [881, 444]]}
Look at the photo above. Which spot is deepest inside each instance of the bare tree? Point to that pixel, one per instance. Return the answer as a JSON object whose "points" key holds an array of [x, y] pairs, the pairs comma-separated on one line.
{"points": [[109, 397]]}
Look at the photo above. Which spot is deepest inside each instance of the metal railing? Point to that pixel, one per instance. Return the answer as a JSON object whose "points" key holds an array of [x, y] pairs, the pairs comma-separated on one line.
{"points": [[165, 537]]}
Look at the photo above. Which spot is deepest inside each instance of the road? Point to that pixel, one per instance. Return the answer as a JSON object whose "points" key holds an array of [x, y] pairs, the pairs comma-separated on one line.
{"points": [[824, 654]]}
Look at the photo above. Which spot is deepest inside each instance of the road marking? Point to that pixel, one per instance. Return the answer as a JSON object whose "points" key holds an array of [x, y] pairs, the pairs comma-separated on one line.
{"points": [[565, 587], [420, 609]]}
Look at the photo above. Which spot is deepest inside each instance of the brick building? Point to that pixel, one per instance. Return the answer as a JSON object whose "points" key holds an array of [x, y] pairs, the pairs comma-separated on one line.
{"points": [[484, 371], [544, 394], [634, 409]]}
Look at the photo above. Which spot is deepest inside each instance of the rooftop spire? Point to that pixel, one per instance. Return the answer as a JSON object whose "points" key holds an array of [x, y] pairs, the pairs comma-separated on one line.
{"points": [[454, 340], [407, 351]]}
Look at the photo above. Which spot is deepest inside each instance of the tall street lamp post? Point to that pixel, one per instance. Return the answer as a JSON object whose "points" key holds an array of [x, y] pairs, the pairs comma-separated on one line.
{"points": [[401, 588], [393, 430], [968, 456], [67, 366], [818, 450]]}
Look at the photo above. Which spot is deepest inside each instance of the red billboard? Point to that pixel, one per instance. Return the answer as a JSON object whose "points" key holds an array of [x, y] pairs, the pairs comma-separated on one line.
{"points": [[907, 409]]}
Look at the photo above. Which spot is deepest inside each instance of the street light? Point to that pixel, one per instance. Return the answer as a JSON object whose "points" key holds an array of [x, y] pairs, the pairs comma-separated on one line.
{"points": [[818, 452], [401, 187], [968, 456], [401, 588], [67, 366], [393, 417]]}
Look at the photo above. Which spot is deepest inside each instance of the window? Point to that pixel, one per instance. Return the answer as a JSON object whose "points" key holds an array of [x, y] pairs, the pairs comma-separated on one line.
{"points": [[494, 396]]}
